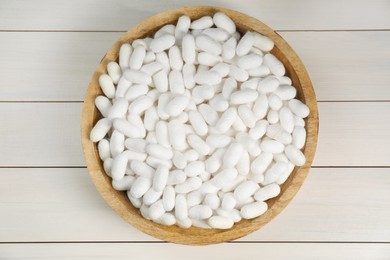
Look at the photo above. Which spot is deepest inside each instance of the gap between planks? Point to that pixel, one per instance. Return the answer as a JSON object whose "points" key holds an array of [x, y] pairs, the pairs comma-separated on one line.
{"points": [[164, 242], [81, 101], [84, 167], [121, 31]]}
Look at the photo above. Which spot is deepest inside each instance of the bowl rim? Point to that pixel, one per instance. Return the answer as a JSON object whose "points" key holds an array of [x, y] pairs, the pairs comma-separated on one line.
{"points": [[196, 236]]}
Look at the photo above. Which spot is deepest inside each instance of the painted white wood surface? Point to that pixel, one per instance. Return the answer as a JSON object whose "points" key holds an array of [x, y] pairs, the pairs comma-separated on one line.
{"points": [[333, 205], [48, 134], [40, 134], [227, 251], [342, 65], [49, 50], [119, 14], [56, 66], [345, 65]]}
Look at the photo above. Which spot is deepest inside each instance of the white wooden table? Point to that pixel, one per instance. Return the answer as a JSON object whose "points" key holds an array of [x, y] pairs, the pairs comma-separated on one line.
{"points": [[49, 208]]}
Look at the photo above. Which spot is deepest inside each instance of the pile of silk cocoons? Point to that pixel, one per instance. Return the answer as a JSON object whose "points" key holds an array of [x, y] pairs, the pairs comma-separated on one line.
{"points": [[200, 124]]}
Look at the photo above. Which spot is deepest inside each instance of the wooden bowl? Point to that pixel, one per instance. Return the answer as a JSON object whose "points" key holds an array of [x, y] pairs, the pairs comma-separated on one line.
{"points": [[118, 200]]}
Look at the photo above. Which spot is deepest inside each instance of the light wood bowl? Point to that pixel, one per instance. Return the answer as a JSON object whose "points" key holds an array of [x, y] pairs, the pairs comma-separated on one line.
{"points": [[119, 202]]}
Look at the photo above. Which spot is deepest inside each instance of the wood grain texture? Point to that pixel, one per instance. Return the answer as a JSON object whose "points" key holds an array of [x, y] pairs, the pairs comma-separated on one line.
{"points": [[55, 66], [355, 134], [230, 251], [122, 14], [119, 201], [62, 205], [40, 134], [62, 73], [47, 134], [347, 65], [333, 205]]}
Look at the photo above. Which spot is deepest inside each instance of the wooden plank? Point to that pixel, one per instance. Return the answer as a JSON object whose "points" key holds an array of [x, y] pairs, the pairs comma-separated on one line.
{"points": [[59, 66], [47, 134], [333, 205], [227, 251], [345, 65], [353, 134], [40, 134], [122, 14], [54, 67]]}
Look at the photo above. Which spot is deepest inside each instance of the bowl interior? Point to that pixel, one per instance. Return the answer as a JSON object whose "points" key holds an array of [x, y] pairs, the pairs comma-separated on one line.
{"points": [[196, 236]]}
